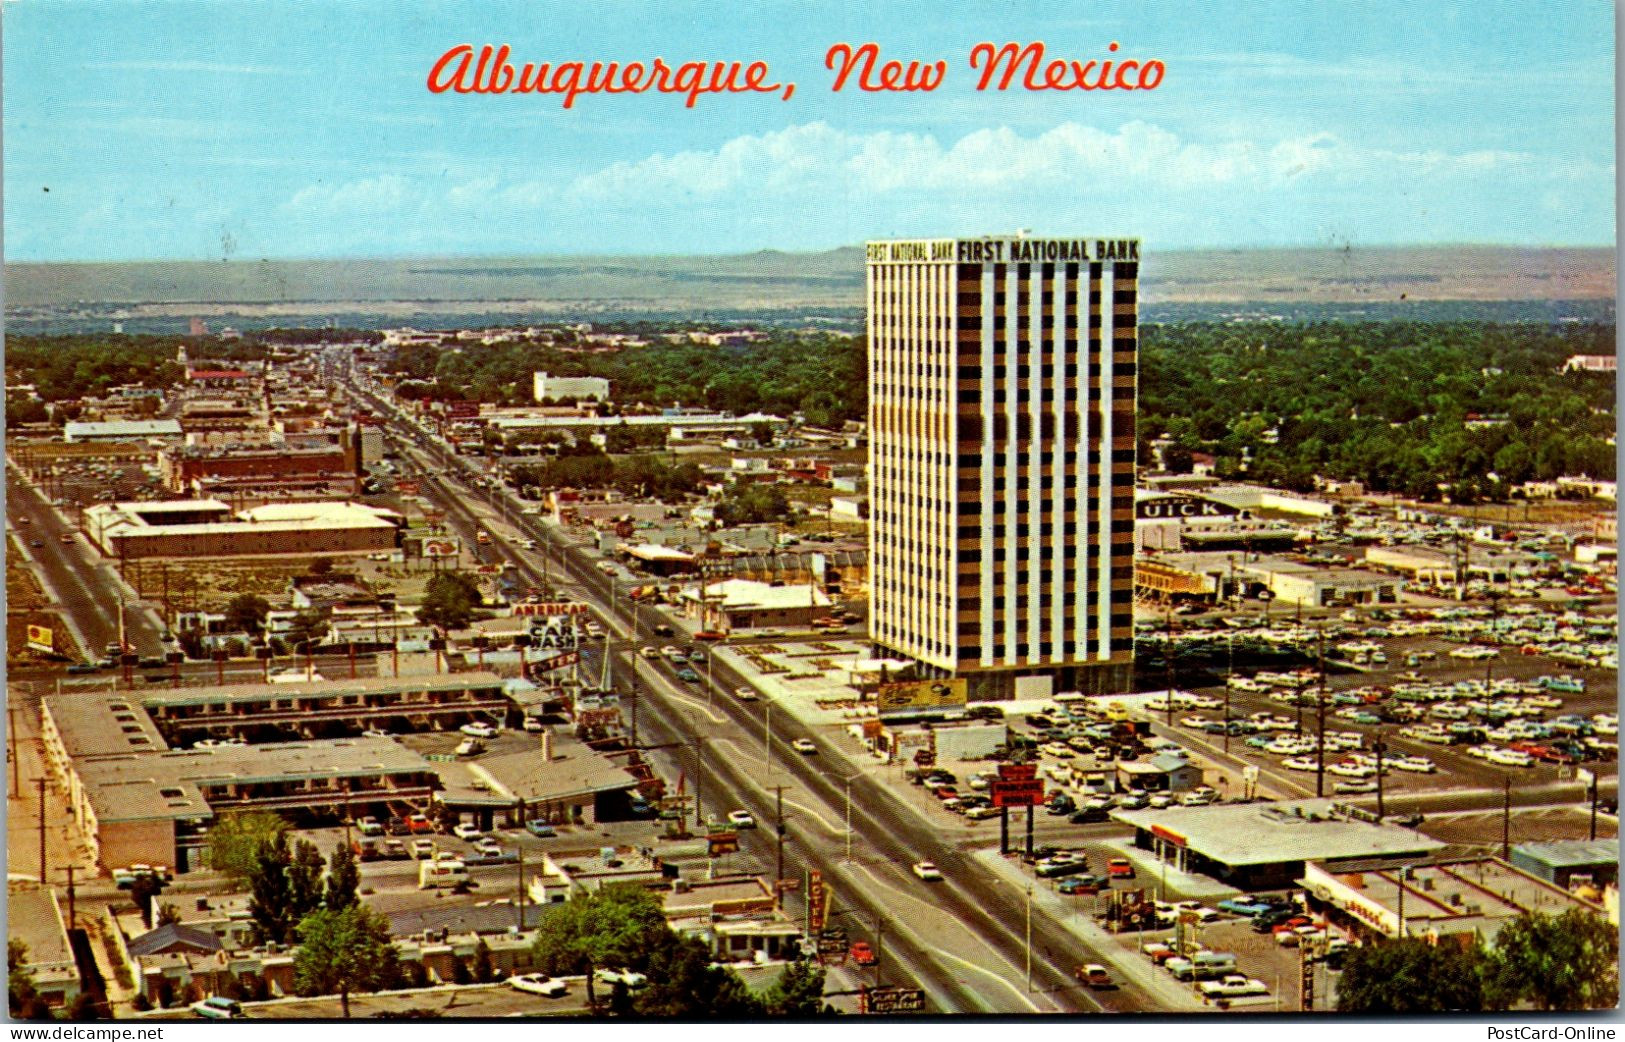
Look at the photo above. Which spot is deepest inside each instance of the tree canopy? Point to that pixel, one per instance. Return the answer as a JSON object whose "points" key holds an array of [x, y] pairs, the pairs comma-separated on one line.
{"points": [[344, 950], [450, 600], [235, 840], [1411, 976], [1555, 962]]}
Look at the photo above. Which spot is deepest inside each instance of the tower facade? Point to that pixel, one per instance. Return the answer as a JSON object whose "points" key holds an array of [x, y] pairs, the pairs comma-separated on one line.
{"points": [[1002, 397]]}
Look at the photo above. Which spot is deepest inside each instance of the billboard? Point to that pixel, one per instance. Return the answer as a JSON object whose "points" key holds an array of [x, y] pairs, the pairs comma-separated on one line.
{"points": [[551, 608], [41, 639], [911, 698], [547, 665]]}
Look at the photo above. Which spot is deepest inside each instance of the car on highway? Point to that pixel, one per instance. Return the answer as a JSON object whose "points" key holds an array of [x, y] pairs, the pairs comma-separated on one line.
{"points": [[741, 819], [927, 871], [539, 984], [745, 693], [688, 676], [1094, 975], [66, 538], [649, 653], [863, 953], [79, 668], [804, 746], [37, 543]]}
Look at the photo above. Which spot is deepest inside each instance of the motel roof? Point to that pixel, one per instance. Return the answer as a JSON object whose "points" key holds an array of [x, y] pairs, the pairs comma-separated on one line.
{"points": [[320, 688], [1275, 833]]}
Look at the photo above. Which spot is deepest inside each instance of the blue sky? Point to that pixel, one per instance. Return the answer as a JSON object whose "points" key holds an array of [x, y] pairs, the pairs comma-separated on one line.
{"points": [[160, 130]]}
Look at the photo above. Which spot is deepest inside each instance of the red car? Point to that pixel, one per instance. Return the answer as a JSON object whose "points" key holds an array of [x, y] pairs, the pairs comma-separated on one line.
{"points": [[863, 954], [944, 792], [1120, 868], [418, 823]]}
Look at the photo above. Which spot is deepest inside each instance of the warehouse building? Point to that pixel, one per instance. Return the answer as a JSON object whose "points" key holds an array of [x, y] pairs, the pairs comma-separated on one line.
{"points": [[740, 604], [1567, 862], [77, 432]]}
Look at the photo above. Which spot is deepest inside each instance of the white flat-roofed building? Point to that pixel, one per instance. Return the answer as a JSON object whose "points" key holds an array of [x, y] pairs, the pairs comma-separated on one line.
{"points": [[77, 431], [1435, 901], [554, 388], [206, 528], [738, 604], [1263, 845]]}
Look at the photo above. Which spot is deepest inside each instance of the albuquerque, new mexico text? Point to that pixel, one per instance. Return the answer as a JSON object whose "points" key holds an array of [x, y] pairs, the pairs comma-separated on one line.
{"points": [[462, 70]]}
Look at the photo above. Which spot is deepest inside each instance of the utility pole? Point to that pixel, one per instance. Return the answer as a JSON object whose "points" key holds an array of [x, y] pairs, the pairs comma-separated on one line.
{"points": [[1379, 747], [40, 781], [73, 920], [1593, 806], [1229, 672], [699, 765], [521, 923], [1506, 819], [1320, 714], [767, 732], [1168, 658], [16, 761], [778, 794], [1029, 930]]}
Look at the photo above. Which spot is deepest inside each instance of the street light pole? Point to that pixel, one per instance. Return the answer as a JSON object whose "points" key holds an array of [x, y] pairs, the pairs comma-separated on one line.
{"points": [[767, 732], [1029, 938]]}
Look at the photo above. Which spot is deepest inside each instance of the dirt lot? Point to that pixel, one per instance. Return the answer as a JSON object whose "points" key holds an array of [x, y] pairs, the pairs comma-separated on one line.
{"points": [[26, 606]]}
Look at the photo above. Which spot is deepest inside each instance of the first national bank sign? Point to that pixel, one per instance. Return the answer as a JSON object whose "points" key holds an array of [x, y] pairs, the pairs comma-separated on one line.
{"points": [[1001, 251]]}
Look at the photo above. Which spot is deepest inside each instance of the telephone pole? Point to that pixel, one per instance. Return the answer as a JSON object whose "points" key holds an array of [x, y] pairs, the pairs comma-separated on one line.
{"points": [[1379, 747], [1506, 819], [778, 794], [40, 781], [1320, 714]]}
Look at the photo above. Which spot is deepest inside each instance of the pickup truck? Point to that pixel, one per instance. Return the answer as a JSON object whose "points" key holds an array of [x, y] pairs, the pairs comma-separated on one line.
{"points": [[1232, 986]]}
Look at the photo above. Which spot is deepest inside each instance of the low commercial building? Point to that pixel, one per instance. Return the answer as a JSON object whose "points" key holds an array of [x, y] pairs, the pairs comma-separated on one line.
{"points": [[34, 917], [1442, 901], [1566, 863], [77, 432], [740, 604], [206, 528], [1259, 846], [1163, 772], [1426, 565], [556, 388]]}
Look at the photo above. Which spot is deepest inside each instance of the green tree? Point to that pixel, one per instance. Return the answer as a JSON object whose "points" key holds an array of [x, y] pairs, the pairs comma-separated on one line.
{"points": [[799, 991], [343, 879], [145, 891], [344, 950], [449, 600], [24, 1001], [247, 612], [235, 841], [683, 982], [1555, 962], [762, 433], [1411, 976], [304, 880], [269, 903], [615, 927], [749, 504], [167, 914]]}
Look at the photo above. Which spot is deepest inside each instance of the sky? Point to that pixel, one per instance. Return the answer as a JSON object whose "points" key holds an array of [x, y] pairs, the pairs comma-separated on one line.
{"points": [[202, 131]]}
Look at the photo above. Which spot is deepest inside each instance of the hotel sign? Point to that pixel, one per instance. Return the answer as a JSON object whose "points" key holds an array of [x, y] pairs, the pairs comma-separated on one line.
{"points": [[918, 697]]}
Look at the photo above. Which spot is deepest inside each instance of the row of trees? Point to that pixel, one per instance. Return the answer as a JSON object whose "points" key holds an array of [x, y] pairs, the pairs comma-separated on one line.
{"points": [[1402, 407], [822, 375], [584, 466], [1545, 962]]}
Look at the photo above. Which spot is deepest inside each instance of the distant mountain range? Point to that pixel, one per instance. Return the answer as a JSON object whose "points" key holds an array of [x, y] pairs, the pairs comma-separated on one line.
{"points": [[1435, 281]]}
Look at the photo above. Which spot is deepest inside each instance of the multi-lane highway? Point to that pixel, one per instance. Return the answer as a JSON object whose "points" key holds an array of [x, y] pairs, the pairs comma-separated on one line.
{"points": [[86, 588], [965, 940]]}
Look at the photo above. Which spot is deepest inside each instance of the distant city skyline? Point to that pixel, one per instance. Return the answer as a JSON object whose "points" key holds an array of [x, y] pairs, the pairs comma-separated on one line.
{"points": [[202, 131]]}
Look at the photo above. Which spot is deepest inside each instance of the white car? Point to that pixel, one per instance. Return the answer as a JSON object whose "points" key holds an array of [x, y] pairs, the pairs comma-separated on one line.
{"points": [[621, 976], [1197, 722], [1415, 764], [487, 847], [539, 984], [478, 730], [1350, 770], [745, 694], [804, 746], [218, 1007], [1510, 758], [1354, 788], [463, 830], [927, 871], [1301, 763], [649, 653], [1059, 751], [741, 819]]}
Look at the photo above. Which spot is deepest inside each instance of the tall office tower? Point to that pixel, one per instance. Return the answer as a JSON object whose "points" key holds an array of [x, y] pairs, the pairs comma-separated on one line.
{"points": [[1002, 396]]}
